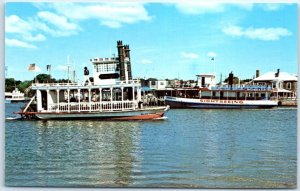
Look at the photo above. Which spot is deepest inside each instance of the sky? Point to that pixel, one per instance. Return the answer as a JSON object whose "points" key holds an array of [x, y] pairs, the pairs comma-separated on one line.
{"points": [[167, 40]]}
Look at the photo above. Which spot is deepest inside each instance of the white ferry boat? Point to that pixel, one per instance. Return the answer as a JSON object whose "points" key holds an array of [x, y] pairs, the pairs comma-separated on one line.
{"points": [[14, 96], [210, 96], [110, 94], [243, 98]]}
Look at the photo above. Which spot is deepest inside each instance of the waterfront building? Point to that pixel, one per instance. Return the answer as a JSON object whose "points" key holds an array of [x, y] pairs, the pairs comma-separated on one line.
{"points": [[206, 80], [158, 84], [283, 83]]}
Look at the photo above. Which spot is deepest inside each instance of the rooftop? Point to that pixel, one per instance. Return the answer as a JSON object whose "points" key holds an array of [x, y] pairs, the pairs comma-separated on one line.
{"points": [[270, 76]]}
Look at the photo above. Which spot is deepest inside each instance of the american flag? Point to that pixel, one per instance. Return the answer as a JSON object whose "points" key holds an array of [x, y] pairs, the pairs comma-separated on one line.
{"points": [[31, 67]]}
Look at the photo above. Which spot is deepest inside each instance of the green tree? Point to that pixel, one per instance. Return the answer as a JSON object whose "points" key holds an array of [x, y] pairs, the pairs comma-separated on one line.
{"points": [[42, 78], [62, 81], [24, 85], [10, 84]]}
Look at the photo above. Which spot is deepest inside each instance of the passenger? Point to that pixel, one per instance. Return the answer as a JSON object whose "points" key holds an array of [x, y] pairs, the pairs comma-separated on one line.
{"points": [[86, 76]]}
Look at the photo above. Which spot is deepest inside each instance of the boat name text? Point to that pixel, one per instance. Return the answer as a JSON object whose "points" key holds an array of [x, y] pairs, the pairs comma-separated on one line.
{"points": [[221, 101]]}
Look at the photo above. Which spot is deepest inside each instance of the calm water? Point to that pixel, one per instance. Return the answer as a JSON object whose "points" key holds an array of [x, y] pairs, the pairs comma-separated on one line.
{"points": [[191, 148]]}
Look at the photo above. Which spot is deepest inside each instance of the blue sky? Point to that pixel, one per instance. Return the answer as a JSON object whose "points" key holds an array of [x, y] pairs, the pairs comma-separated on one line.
{"points": [[167, 40]]}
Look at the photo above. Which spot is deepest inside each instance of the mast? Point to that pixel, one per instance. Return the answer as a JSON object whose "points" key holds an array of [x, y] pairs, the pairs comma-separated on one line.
{"points": [[68, 68], [74, 74]]}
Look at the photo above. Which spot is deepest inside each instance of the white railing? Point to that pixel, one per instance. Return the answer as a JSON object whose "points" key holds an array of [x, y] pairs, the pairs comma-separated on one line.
{"points": [[81, 83], [93, 106]]}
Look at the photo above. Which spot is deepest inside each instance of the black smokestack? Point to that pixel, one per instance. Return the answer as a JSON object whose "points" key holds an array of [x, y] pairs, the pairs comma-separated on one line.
{"points": [[121, 57], [257, 73], [230, 79], [277, 74], [127, 52]]}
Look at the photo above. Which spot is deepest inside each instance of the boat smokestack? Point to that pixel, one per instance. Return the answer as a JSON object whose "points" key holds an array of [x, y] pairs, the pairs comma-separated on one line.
{"points": [[277, 74], [127, 54], [257, 73], [121, 57], [230, 79]]}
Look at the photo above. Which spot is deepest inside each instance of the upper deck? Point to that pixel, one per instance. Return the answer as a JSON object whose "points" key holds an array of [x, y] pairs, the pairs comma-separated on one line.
{"points": [[75, 86]]}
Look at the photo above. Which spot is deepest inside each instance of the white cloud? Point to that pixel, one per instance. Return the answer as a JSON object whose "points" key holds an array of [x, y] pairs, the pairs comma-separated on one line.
{"points": [[18, 43], [198, 7], [62, 67], [244, 5], [145, 61], [189, 55], [272, 6], [63, 19], [54, 31], [14, 24], [36, 38], [113, 15], [211, 54], [57, 21], [266, 34], [194, 7]]}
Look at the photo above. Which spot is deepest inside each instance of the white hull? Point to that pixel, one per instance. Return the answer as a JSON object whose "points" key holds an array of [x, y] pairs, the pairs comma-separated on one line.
{"points": [[218, 103], [139, 114]]}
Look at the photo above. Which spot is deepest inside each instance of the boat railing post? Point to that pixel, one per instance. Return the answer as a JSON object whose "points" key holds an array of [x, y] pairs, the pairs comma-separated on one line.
{"points": [[133, 96], [122, 94], [100, 99], [90, 100], [69, 100], [57, 97], [48, 99], [111, 99], [78, 94]]}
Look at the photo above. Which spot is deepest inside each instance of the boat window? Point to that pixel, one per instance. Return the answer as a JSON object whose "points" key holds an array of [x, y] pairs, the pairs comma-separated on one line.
{"points": [[109, 76], [111, 67], [117, 94], [289, 85]]}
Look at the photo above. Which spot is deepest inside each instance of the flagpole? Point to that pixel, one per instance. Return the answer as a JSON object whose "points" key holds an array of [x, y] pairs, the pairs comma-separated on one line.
{"points": [[214, 65], [35, 74], [50, 72], [68, 69]]}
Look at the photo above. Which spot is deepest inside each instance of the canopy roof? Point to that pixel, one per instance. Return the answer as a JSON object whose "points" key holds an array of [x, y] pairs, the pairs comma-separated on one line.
{"points": [[270, 76]]}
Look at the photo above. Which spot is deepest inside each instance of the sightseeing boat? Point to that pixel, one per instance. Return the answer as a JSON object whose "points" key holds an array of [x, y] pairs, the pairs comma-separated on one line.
{"points": [[14, 96], [110, 94], [210, 96], [226, 98]]}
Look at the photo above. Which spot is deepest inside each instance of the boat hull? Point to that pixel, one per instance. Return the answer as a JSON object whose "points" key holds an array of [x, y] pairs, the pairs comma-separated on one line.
{"points": [[139, 114], [175, 102]]}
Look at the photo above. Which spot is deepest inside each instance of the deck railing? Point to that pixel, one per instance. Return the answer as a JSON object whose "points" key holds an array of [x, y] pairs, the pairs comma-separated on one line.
{"points": [[81, 83], [93, 106]]}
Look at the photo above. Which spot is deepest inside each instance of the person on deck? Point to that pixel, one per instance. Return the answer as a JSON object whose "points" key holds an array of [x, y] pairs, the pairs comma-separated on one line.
{"points": [[86, 75]]}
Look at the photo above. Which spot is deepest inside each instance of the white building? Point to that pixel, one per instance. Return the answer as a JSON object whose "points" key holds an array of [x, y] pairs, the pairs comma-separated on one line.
{"points": [[282, 82], [158, 84], [206, 80]]}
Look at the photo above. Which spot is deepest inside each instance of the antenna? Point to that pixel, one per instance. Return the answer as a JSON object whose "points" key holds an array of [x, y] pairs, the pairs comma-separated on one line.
{"points": [[74, 73], [68, 68]]}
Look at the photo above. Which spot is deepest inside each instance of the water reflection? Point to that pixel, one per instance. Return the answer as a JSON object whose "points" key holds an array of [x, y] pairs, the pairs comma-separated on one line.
{"points": [[192, 148], [89, 153]]}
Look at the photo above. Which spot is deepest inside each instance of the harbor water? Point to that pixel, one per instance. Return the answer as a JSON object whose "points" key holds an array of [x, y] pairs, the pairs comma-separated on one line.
{"points": [[189, 149]]}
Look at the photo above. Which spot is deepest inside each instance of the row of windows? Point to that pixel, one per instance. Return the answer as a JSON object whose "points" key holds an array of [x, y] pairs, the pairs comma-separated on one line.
{"points": [[106, 67]]}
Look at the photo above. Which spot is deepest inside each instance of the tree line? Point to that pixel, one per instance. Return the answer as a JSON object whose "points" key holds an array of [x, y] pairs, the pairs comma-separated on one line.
{"points": [[11, 83]]}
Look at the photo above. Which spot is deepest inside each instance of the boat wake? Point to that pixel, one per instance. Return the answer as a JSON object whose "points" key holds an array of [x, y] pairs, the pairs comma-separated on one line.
{"points": [[161, 118], [12, 118]]}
